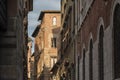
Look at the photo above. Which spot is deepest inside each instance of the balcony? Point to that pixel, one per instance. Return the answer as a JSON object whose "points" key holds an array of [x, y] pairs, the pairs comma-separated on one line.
{"points": [[53, 51]]}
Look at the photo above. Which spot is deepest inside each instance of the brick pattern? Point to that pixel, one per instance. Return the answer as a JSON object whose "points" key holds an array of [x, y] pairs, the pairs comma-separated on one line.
{"points": [[43, 50]]}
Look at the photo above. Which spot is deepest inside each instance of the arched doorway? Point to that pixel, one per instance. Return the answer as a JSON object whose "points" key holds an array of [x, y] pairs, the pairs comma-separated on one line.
{"points": [[116, 41]]}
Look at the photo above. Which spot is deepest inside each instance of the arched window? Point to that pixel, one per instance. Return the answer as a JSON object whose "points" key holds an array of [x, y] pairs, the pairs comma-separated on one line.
{"points": [[83, 64], [116, 34], [91, 60], [54, 21], [101, 54]]}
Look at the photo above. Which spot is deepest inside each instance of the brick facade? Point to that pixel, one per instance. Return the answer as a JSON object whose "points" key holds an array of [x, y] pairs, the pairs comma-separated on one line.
{"points": [[47, 43], [97, 28]]}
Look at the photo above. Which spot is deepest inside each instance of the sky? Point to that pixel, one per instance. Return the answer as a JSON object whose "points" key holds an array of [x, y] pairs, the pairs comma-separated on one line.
{"points": [[38, 6]]}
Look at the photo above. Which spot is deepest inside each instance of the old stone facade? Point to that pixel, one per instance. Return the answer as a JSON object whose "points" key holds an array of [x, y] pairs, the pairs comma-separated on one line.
{"points": [[95, 38], [66, 63], [13, 45], [47, 43]]}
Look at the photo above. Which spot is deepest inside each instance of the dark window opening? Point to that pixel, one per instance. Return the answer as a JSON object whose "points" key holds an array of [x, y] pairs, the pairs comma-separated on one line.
{"points": [[78, 67], [91, 61], [101, 55], [26, 4], [53, 40], [116, 35], [31, 5], [84, 64], [3, 15]]}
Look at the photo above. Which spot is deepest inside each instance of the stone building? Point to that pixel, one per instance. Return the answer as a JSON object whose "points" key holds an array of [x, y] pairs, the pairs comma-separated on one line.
{"points": [[30, 61], [98, 33], [95, 34], [13, 45], [66, 69], [47, 43]]}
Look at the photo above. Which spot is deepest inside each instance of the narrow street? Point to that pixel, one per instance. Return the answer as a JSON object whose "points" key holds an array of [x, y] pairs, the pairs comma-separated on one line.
{"points": [[60, 40]]}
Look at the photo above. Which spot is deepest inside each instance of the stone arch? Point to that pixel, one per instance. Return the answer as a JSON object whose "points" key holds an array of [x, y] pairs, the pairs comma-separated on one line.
{"points": [[90, 39], [112, 12], [115, 3], [100, 23], [100, 41]]}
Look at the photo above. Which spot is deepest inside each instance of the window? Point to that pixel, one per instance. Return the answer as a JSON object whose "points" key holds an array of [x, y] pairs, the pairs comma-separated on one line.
{"points": [[54, 21], [31, 5], [53, 40], [53, 60], [78, 67], [3, 15], [91, 60], [116, 34], [26, 4], [101, 54], [83, 64]]}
